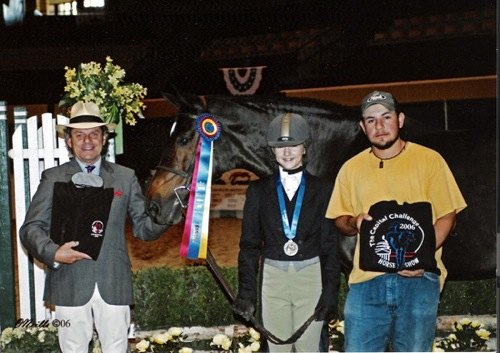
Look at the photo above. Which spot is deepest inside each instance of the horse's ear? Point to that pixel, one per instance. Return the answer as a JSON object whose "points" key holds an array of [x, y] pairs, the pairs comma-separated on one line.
{"points": [[184, 103]]}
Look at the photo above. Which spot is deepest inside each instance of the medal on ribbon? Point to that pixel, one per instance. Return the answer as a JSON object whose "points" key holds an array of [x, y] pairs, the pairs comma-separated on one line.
{"points": [[195, 236], [290, 248]]}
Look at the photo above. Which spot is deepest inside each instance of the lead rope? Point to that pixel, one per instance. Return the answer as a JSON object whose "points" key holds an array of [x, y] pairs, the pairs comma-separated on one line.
{"points": [[228, 292]]}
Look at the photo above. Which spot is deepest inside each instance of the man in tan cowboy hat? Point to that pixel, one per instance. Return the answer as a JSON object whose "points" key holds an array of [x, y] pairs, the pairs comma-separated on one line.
{"points": [[88, 292], [84, 115]]}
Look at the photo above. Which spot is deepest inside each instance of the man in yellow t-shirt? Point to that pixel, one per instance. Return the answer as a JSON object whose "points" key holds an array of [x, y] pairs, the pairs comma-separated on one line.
{"points": [[400, 200]]}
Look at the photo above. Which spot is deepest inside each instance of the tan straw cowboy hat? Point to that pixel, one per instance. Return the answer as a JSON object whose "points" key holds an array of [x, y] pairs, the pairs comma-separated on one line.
{"points": [[84, 115]]}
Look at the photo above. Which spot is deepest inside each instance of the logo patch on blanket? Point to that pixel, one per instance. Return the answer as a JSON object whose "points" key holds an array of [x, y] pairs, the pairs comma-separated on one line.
{"points": [[400, 237]]}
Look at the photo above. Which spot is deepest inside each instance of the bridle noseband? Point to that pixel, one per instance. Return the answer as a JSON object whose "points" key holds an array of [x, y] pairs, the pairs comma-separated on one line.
{"points": [[188, 175]]}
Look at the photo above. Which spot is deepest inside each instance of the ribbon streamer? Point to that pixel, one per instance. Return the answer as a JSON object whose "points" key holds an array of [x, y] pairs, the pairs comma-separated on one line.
{"points": [[195, 236], [189, 214]]}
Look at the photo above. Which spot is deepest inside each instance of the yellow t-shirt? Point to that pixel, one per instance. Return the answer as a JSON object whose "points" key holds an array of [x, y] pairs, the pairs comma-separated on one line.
{"points": [[418, 174]]}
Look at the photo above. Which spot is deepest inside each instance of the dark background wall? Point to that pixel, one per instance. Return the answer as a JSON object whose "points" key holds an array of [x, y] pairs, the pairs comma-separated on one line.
{"points": [[302, 43]]}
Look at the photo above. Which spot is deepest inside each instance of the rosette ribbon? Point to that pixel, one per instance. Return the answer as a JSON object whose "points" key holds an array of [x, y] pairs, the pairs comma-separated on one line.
{"points": [[195, 235]]}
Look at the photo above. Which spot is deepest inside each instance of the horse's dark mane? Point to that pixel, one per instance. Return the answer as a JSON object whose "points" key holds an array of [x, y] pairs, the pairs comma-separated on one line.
{"points": [[279, 103]]}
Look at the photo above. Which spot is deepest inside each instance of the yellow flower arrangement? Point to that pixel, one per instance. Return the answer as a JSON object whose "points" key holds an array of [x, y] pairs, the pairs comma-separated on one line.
{"points": [[250, 342], [336, 334], [175, 341], [169, 341], [468, 335], [90, 82], [222, 342], [25, 338]]}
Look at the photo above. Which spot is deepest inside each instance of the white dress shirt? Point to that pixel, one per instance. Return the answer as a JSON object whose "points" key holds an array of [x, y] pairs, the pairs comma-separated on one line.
{"points": [[290, 182]]}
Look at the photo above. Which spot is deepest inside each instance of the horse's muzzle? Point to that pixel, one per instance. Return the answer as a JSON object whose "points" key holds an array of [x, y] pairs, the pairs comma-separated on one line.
{"points": [[166, 213]]}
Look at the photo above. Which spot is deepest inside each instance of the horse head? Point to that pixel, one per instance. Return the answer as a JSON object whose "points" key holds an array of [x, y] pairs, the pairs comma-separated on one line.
{"points": [[168, 190]]}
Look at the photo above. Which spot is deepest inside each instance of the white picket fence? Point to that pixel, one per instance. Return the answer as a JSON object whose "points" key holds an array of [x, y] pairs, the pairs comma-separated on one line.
{"points": [[33, 150]]}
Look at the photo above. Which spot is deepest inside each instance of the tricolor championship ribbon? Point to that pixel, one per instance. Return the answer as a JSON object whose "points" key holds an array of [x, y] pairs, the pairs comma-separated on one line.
{"points": [[195, 236]]}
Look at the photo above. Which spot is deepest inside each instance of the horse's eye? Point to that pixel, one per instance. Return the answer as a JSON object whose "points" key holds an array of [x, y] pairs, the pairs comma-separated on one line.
{"points": [[183, 141]]}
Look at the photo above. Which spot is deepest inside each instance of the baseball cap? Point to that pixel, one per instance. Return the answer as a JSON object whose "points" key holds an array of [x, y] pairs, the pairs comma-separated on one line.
{"points": [[379, 97]]}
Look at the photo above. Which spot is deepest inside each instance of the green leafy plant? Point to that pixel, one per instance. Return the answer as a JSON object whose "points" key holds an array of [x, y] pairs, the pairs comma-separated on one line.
{"points": [[196, 297], [468, 297], [90, 82], [200, 301], [467, 336]]}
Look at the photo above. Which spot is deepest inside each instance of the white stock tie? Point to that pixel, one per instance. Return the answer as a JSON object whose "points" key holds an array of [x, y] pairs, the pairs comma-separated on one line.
{"points": [[291, 184]]}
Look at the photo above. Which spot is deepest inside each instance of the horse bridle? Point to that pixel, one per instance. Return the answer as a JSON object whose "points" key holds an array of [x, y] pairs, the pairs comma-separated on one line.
{"points": [[178, 189], [186, 175]]}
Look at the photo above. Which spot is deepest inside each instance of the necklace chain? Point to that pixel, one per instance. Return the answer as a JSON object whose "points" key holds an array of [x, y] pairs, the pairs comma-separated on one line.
{"points": [[381, 163]]}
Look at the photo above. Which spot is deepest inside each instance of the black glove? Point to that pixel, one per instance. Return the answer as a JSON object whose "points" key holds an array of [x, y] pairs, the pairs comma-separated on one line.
{"points": [[244, 308], [327, 306]]}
